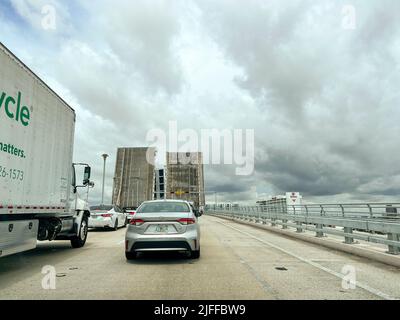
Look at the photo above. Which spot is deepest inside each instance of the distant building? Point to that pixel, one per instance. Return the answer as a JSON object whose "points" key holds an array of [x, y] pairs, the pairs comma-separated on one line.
{"points": [[185, 177], [159, 184], [134, 176], [282, 202]]}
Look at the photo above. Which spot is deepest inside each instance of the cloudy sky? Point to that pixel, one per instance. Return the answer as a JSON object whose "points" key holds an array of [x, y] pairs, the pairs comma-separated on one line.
{"points": [[318, 82]]}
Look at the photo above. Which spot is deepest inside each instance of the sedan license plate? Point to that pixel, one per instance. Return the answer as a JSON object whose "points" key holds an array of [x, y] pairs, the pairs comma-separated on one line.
{"points": [[162, 229]]}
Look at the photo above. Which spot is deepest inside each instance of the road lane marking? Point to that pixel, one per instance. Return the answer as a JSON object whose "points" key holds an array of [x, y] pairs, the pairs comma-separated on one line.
{"points": [[263, 283], [316, 265]]}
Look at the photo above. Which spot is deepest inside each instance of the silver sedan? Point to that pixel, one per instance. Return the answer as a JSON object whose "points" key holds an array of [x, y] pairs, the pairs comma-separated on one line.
{"points": [[164, 225]]}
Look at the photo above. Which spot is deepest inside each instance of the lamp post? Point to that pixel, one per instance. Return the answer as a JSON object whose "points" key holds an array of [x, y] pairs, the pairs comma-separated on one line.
{"points": [[105, 156]]}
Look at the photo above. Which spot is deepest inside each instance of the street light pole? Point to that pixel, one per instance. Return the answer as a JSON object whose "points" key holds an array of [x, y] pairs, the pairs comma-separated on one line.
{"points": [[105, 156]]}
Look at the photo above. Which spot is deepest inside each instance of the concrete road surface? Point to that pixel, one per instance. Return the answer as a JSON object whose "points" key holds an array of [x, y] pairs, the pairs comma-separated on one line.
{"points": [[237, 262]]}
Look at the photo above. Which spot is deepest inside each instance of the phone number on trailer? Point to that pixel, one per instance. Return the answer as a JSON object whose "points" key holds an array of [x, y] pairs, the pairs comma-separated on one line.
{"points": [[12, 174]]}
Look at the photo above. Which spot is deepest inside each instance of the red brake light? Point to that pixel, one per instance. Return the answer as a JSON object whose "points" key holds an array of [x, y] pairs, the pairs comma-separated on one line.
{"points": [[132, 213], [187, 221], [106, 215], [137, 222]]}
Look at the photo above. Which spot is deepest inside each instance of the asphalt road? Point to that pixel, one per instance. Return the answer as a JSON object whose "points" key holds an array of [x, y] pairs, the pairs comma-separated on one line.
{"points": [[237, 262]]}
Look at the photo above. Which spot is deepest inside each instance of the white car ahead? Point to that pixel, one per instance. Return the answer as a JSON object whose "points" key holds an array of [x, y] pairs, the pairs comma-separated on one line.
{"points": [[107, 216], [130, 212]]}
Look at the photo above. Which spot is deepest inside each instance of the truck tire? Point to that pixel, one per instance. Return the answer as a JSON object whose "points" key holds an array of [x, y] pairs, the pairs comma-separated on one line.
{"points": [[80, 240]]}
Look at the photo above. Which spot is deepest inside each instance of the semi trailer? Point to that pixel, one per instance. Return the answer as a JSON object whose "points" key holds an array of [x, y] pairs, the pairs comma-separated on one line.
{"points": [[39, 198]]}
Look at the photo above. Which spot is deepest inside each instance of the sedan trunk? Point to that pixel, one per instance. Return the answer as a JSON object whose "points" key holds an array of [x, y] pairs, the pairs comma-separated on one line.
{"points": [[161, 223]]}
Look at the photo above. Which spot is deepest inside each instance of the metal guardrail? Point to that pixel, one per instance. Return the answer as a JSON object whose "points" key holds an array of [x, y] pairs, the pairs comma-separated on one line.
{"points": [[372, 222]]}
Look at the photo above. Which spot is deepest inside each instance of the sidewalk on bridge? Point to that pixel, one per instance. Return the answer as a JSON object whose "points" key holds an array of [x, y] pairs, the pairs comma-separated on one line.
{"points": [[373, 251]]}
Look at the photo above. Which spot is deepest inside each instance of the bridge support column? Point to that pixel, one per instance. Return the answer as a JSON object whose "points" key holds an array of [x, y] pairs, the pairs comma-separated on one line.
{"points": [[319, 234], [347, 239], [392, 249]]}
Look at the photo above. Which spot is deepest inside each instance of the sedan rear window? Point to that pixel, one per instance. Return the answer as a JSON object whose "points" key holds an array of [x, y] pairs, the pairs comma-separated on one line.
{"points": [[157, 207], [102, 208]]}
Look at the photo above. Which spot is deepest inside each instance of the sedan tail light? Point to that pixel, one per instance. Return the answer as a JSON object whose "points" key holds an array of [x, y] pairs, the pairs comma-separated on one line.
{"points": [[106, 215], [137, 222], [187, 221]]}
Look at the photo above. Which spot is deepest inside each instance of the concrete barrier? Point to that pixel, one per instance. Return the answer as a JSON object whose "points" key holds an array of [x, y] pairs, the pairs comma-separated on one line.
{"points": [[371, 254]]}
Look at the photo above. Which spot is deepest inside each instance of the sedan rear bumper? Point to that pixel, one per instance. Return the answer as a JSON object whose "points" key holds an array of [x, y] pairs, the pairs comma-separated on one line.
{"points": [[188, 241], [161, 246], [100, 223]]}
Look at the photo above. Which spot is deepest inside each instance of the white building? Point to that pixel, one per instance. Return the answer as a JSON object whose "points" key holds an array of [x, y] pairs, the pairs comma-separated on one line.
{"points": [[283, 202]]}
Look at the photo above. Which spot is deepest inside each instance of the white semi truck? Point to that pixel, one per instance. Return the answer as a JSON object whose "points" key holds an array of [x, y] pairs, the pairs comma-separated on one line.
{"points": [[38, 182]]}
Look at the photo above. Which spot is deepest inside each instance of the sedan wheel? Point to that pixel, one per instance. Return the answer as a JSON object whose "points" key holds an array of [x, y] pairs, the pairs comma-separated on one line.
{"points": [[131, 255], [195, 254]]}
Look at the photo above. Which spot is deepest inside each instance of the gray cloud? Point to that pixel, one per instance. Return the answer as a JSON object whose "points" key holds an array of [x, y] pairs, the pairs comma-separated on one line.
{"points": [[322, 100], [327, 92], [142, 36]]}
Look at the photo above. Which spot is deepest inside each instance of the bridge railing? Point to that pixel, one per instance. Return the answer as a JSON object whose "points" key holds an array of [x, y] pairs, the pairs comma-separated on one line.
{"points": [[372, 222]]}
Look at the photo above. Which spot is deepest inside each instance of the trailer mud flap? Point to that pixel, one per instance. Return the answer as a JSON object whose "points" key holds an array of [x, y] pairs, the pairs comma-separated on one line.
{"points": [[18, 236]]}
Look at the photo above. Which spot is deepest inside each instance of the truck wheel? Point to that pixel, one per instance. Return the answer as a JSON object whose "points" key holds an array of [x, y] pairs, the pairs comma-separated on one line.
{"points": [[80, 240]]}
